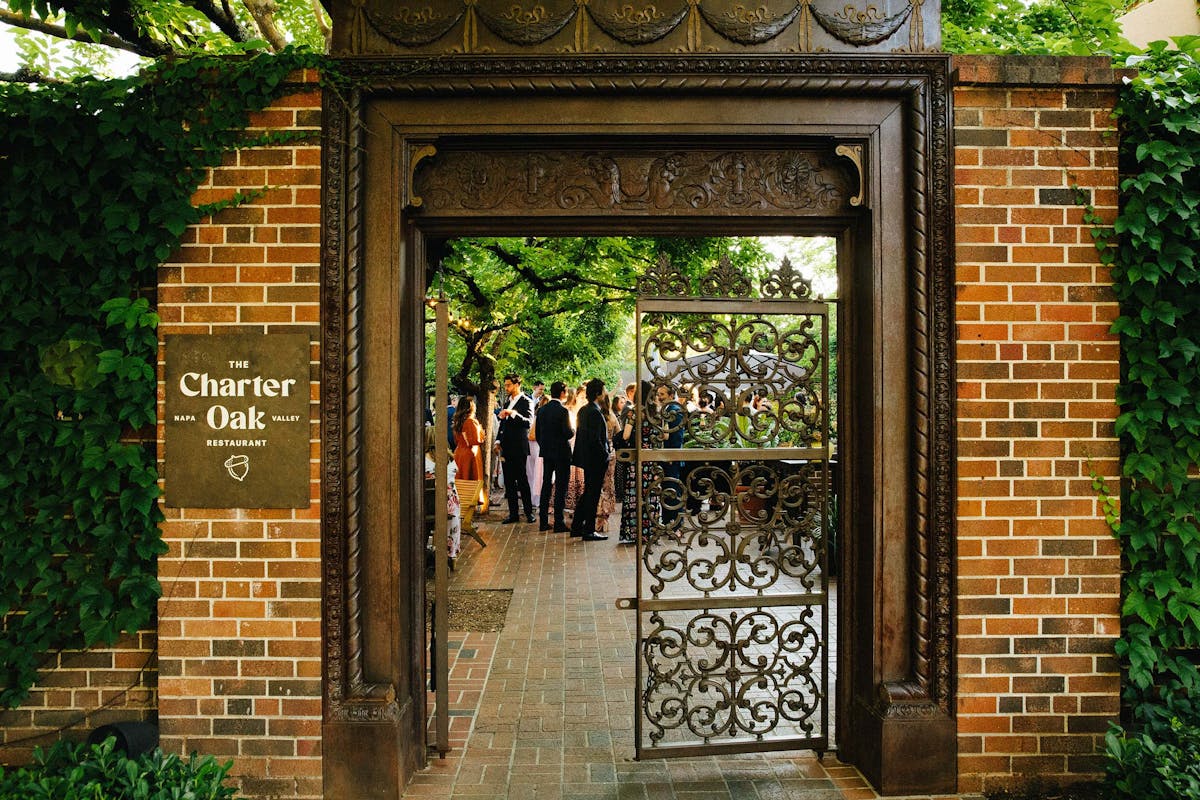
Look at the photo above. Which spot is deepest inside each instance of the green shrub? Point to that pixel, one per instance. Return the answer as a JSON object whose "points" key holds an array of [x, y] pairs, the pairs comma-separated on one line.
{"points": [[98, 772], [1162, 766]]}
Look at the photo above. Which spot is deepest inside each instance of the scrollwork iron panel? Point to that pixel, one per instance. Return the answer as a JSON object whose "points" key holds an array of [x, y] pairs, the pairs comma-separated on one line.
{"points": [[733, 509], [723, 675]]}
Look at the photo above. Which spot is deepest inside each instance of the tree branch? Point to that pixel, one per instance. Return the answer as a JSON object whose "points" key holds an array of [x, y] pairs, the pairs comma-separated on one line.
{"points": [[602, 301], [263, 12], [50, 29], [555, 283], [478, 298], [122, 21], [24, 75], [323, 24], [222, 17]]}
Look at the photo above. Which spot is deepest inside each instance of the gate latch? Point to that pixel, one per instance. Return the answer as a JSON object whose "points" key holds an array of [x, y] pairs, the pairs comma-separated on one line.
{"points": [[627, 603]]}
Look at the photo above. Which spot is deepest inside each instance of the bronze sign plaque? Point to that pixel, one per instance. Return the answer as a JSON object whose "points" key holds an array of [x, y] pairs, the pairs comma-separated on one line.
{"points": [[237, 426]]}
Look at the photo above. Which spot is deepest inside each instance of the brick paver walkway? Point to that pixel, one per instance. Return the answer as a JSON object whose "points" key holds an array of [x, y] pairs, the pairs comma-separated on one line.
{"points": [[543, 710]]}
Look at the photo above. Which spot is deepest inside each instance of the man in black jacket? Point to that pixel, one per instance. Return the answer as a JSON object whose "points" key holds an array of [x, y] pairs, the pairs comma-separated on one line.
{"points": [[516, 415], [553, 432], [593, 449]]}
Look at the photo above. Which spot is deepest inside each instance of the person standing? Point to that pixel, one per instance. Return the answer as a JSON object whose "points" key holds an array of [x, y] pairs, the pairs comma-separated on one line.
{"points": [[468, 445], [451, 410], [620, 408], [453, 506], [515, 418], [627, 484], [575, 401], [553, 428], [671, 423], [593, 449], [608, 493], [533, 469]]}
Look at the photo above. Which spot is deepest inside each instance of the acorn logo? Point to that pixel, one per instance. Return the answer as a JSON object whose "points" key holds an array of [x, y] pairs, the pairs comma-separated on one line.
{"points": [[238, 467]]}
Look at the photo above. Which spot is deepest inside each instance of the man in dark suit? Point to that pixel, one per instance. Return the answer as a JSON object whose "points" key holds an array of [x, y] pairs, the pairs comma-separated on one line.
{"points": [[593, 449], [553, 431], [516, 415]]}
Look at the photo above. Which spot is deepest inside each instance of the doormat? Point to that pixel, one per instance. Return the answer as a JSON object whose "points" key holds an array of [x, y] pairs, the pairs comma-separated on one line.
{"points": [[476, 610]]}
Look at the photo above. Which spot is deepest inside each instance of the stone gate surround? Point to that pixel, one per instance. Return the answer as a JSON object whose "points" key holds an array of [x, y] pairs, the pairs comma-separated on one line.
{"points": [[239, 639]]}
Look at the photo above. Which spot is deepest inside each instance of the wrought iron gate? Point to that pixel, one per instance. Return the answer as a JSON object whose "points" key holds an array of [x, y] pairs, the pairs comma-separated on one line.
{"points": [[732, 586]]}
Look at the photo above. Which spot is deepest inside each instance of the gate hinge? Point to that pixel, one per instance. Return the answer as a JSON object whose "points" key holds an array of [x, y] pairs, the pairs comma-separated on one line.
{"points": [[627, 603]]}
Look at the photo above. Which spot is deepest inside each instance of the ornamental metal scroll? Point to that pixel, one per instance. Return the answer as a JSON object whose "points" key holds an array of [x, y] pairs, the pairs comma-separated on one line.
{"points": [[733, 513]]}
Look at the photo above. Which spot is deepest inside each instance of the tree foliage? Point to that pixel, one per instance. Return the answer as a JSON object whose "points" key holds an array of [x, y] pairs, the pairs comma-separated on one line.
{"points": [[1049, 27], [156, 29], [1154, 251], [556, 306]]}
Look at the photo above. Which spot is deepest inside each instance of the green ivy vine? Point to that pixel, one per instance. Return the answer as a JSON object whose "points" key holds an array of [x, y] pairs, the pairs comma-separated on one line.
{"points": [[1153, 249], [97, 178]]}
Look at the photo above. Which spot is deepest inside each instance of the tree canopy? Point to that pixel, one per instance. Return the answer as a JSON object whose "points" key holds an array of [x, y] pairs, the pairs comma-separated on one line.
{"points": [[556, 307], [157, 29], [1050, 27]]}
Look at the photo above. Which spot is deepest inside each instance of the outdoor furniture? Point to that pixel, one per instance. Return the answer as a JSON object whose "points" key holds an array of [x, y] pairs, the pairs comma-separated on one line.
{"points": [[468, 497]]}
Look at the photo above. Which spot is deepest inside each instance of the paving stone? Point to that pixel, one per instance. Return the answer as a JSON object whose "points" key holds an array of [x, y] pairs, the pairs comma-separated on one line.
{"points": [[548, 702]]}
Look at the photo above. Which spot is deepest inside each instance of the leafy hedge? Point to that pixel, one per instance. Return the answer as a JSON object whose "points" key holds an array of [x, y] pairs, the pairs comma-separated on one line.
{"points": [[1156, 274], [81, 772], [1160, 766], [98, 178]]}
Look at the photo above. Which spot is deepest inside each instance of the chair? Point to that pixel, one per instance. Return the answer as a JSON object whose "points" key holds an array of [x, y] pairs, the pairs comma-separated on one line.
{"points": [[468, 496]]}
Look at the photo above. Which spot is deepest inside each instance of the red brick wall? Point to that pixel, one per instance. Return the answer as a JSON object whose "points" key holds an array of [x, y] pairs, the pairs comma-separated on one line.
{"points": [[1038, 569], [240, 618], [239, 627], [80, 691]]}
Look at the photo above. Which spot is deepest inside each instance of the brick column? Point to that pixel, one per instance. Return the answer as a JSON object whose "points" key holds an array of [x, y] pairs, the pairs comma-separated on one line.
{"points": [[1038, 569], [240, 616]]}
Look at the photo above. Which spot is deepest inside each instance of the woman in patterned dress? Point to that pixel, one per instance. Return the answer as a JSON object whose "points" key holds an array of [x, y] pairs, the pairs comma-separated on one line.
{"points": [[621, 471], [453, 507], [631, 523], [575, 400], [608, 494]]}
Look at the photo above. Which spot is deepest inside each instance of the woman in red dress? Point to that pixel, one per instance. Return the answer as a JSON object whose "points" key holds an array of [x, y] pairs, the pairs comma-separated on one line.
{"points": [[468, 436]]}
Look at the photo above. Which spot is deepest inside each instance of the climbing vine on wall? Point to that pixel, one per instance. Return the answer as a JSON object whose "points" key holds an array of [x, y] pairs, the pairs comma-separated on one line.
{"points": [[1156, 273], [98, 178]]}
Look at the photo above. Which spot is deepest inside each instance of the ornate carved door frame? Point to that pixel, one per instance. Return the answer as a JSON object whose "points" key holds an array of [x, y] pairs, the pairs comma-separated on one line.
{"points": [[391, 148]]}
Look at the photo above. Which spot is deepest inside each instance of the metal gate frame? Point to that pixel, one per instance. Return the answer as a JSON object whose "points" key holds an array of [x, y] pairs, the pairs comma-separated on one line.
{"points": [[724, 291]]}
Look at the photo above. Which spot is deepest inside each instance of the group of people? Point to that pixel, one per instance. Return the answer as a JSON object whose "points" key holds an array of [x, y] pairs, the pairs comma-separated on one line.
{"points": [[573, 435], [558, 449]]}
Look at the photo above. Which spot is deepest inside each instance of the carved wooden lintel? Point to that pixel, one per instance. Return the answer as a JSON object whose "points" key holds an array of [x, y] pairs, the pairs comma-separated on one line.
{"points": [[664, 181]]}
